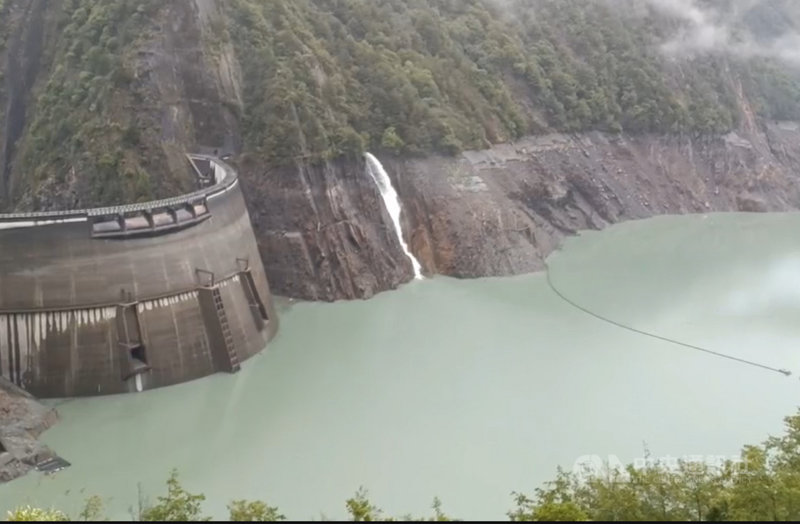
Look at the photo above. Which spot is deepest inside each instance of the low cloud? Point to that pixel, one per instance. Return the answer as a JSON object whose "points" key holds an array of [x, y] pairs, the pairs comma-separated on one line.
{"points": [[709, 30]]}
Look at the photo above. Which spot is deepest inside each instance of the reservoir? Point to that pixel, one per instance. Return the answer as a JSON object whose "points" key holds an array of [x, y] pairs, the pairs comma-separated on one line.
{"points": [[469, 390]]}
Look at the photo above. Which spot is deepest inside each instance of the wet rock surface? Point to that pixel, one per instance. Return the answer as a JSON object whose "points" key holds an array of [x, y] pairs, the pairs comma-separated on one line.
{"points": [[503, 211], [324, 234], [323, 231], [22, 420]]}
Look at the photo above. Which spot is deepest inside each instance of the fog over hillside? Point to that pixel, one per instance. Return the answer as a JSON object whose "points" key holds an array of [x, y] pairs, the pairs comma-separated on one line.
{"points": [[742, 28]]}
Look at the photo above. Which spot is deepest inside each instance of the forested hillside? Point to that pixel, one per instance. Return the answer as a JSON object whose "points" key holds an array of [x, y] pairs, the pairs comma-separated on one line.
{"points": [[73, 97], [333, 76], [98, 97]]}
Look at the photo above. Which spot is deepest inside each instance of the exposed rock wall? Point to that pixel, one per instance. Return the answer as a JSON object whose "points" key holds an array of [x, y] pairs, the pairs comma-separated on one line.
{"points": [[502, 211], [324, 234], [22, 420], [22, 62], [323, 231]]}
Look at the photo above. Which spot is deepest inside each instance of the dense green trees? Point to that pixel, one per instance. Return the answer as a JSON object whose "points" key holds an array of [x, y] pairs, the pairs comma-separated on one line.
{"points": [[30, 514], [763, 486], [442, 75], [80, 122]]}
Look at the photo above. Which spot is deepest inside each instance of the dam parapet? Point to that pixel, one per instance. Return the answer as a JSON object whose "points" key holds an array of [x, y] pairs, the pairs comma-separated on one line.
{"points": [[134, 297]]}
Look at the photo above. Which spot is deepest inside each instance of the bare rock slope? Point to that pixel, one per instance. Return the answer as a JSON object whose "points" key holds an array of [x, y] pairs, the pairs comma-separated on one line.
{"points": [[22, 420], [325, 235], [503, 211]]}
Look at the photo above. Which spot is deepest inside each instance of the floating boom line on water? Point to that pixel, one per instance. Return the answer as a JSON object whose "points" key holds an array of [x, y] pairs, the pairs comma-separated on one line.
{"points": [[589, 312]]}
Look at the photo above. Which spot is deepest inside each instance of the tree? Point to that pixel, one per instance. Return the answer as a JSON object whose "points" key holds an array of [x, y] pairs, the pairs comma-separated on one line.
{"points": [[244, 511], [438, 514], [554, 502], [30, 514], [178, 505], [361, 509], [764, 485], [392, 141], [92, 510]]}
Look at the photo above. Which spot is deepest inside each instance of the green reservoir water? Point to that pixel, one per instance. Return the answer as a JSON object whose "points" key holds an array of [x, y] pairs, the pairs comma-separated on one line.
{"points": [[469, 390]]}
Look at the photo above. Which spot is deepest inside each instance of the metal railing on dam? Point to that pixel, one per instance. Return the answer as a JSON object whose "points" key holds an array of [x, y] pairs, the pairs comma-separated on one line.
{"points": [[133, 297]]}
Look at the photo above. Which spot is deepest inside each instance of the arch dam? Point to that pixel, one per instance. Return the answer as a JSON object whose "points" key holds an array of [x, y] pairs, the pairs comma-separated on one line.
{"points": [[134, 297]]}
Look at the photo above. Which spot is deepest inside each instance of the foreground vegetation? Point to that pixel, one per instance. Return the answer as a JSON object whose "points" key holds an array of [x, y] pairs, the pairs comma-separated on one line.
{"points": [[763, 486]]}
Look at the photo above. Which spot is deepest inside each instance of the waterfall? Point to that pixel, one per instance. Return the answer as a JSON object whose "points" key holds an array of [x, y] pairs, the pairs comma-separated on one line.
{"points": [[392, 203]]}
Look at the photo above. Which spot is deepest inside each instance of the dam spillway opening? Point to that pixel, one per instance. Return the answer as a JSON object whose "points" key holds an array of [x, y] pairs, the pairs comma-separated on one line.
{"points": [[133, 297], [138, 355]]}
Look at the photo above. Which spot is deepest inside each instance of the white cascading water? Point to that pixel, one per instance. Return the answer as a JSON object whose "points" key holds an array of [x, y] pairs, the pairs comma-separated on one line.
{"points": [[392, 203]]}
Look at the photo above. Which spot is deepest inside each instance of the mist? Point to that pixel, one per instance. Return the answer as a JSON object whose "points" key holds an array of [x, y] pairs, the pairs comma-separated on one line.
{"points": [[710, 30]]}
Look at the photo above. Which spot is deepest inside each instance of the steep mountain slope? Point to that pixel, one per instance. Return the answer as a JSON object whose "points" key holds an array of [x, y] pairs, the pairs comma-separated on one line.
{"points": [[100, 98], [444, 75], [103, 98]]}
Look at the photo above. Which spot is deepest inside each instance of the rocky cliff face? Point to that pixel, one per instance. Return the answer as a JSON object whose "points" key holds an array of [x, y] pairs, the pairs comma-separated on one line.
{"points": [[22, 61], [502, 211], [324, 234], [22, 420], [323, 231]]}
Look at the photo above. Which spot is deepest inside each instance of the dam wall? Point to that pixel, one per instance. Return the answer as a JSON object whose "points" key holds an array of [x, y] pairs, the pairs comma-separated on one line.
{"points": [[130, 298]]}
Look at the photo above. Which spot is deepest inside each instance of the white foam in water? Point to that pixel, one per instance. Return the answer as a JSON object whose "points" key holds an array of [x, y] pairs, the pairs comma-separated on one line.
{"points": [[392, 203]]}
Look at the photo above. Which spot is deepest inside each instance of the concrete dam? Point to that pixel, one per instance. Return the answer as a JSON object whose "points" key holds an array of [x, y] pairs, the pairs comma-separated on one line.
{"points": [[134, 297]]}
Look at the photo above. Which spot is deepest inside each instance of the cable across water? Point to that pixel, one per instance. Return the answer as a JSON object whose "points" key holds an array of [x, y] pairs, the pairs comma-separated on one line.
{"points": [[589, 312]]}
